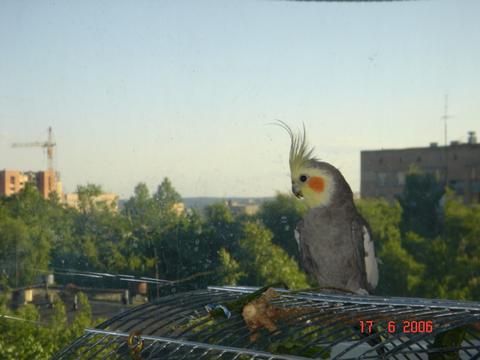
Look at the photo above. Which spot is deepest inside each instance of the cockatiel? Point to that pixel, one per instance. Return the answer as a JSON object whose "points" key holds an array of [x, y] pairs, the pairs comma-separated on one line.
{"points": [[335, 244]]}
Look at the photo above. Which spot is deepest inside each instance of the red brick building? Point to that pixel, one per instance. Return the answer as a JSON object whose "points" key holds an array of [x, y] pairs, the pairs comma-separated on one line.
{"points": [[13, 181]]}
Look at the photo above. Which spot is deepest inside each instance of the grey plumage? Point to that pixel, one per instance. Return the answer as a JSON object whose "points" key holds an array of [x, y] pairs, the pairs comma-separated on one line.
{"points": [[335, 243]]}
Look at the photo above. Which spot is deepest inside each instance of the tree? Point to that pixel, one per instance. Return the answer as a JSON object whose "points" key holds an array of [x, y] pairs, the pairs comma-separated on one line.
{"points": [[83, 317], [281, 215], [29, 206], [229, 269], [220, 227], [399, 273], [26, 336], [142, 216], [140, 208], [420, 201], [182, 251], [166, 195], [14, 240], [453, 257], [23, 339], [86, 195], [23, 250], [265, 263]]}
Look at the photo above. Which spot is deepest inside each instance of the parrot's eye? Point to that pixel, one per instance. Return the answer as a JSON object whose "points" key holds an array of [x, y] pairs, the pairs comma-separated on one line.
{"points": [[303, 178]]}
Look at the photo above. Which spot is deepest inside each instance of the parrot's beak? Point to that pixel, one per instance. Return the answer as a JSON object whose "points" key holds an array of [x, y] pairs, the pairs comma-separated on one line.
{"points": [[296, 191]]}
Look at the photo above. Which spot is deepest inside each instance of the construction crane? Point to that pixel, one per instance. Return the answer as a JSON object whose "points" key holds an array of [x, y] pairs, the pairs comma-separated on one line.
{"points": [[49, 144]]}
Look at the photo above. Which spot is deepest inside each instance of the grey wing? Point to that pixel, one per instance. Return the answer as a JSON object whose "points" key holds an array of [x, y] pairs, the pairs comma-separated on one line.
{"points": [[297, 237], [366, 260], [306, 261]]}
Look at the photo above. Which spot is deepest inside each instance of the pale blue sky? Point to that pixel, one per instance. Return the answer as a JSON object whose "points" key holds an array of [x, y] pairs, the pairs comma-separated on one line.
{"points": [[139, 90]]}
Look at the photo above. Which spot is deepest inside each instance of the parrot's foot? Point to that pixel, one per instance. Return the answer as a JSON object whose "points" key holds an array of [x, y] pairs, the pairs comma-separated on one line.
{"points": [[361, 292]]}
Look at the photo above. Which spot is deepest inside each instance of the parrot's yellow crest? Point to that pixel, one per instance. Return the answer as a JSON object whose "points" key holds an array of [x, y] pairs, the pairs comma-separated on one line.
{"points": [[300, 152]]}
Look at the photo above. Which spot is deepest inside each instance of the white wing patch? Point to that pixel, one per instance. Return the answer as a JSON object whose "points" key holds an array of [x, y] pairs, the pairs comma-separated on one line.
{"points": [[297, 238], [371, 267]]}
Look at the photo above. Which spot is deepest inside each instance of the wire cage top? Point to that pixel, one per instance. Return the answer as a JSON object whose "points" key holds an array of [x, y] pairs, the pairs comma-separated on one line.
{"points": [[291, 325]]}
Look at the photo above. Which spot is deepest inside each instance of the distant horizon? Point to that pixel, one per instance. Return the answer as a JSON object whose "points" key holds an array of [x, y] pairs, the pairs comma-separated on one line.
{"points": [[245, 196]]}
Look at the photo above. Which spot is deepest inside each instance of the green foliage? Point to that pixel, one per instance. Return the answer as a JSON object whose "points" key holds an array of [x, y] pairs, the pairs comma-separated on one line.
{"points": [[420, 202], [166, 196], [220, 227], [183, 252], [86, 195], [266, 263], [83, 317], [428, 244], [22, 250], [301, 343], [383, 218], [23, 336], [156, 236], [399, 273], [281, 215], [450, 339], [88, 191], [23, 339], [229, 269], [140, 209], [452, 258], [427, 247]]}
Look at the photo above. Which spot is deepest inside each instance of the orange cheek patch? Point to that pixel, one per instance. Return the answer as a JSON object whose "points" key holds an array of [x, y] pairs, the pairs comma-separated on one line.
{"points": [[316, 183]]}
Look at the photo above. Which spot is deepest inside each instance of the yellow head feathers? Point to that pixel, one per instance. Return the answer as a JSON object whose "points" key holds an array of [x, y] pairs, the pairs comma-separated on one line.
{"points": [[300, 151], [310, 181]]}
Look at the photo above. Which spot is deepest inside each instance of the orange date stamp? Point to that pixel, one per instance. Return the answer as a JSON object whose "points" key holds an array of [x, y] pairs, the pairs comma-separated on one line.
{"points": [[404, 326]]}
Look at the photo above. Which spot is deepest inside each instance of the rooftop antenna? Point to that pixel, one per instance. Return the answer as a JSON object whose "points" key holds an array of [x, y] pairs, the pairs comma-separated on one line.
{"points": [[445, 118]]}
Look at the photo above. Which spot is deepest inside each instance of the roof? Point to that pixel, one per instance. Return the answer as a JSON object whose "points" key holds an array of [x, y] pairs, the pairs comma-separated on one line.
{"points": [[432, 148]]}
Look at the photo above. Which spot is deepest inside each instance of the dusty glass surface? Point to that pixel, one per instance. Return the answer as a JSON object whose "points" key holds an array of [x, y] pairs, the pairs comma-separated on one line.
{"points": [[140, 157]]}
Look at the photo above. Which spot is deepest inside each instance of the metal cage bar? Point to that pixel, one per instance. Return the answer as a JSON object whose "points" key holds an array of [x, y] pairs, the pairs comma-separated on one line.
{"points": [[178, 327]]}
